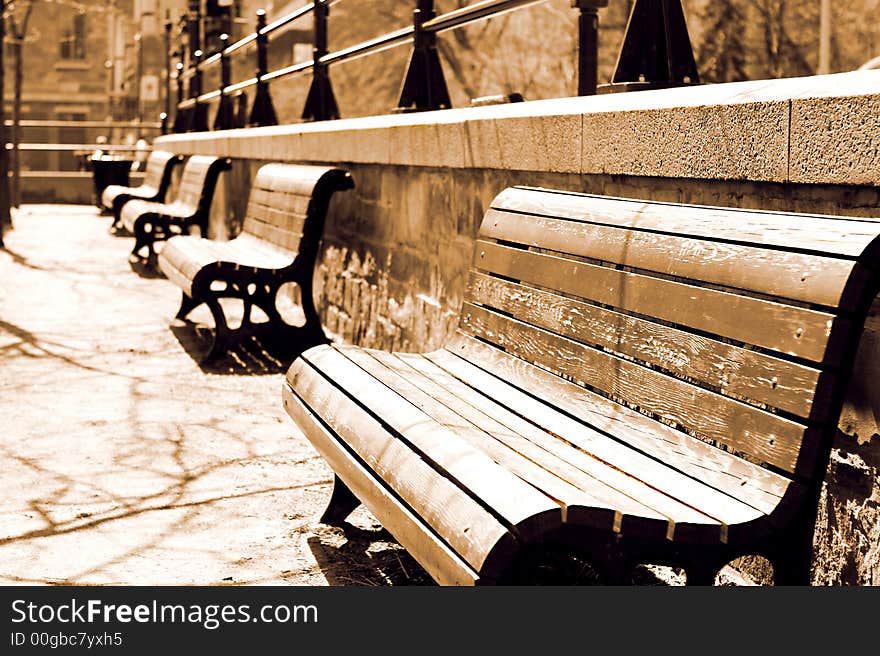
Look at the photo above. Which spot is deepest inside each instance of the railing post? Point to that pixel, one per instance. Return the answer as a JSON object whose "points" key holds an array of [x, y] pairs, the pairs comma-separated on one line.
{"points": [[194, 25], [656, 51], [321, 102], [262, 111], [5, 215], [225, 118], [424, 87], [163, 119], [180, 114], [588, 44], [198, 119], [167, 111], [241, 110]]}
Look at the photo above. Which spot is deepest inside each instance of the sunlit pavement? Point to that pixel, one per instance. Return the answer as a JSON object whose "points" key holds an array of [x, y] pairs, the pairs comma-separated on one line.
{"points": [[123, 460]]}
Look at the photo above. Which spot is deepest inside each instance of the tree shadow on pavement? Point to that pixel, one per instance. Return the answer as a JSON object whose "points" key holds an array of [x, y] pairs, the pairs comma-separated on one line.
{"points": [[21, 260]]}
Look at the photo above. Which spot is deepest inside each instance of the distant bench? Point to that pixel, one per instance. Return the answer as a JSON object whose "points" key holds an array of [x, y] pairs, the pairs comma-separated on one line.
{"points": [[157, 178], [631, 382], [278, 244], [151, 221]]}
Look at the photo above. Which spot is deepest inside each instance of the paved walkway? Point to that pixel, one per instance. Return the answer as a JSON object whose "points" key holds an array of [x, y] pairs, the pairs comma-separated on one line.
{"points": [[125, 462]]}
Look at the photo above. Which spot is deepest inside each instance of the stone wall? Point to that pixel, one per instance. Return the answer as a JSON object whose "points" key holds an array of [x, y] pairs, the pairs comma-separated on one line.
{"points": [[396, 249]]}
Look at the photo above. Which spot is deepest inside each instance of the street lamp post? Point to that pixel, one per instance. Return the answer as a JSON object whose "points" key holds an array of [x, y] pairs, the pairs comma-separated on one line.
{"points": [[5, 216], [139, 44]]}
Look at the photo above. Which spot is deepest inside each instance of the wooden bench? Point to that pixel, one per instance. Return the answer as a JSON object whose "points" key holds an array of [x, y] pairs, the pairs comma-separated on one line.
{"points": [[150, 221], [157, 177], [278, 244], [631, 382]]}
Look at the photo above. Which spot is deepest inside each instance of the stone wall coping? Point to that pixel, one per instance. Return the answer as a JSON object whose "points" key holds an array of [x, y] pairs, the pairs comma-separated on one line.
{"points": [[819, 129]]}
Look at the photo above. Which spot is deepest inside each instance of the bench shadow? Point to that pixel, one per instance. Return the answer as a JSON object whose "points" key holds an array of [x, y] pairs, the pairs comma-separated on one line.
{"points": [[250, 357], [369, 558], [144, 269], [357, 562]]}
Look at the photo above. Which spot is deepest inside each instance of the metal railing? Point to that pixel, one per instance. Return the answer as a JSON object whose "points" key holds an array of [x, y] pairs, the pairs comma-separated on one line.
{"points": [[69, 158], [650, 65], [40, 123]]}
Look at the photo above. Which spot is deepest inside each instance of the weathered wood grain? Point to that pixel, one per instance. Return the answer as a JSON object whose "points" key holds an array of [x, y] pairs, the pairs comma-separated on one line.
{"points": [[787, 329], [731, 369], [446, 508], [803, 277], [634, 473], [515, 503], [473, 361], [441, 562], [825, 235], [746, 429], [587, 496]]}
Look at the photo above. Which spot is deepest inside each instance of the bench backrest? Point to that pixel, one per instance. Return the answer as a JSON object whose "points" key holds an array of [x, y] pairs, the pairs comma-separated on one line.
{"points": [[288, 202], [156, 168], [738, 327], [198, 179]]}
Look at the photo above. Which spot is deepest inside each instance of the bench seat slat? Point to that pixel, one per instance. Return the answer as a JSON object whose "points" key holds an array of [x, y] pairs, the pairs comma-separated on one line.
{"points": [[586, 500], [143, 191], [826, 235], [494, 505], [799, 276], [747, 429], [275, 220], [135, 208], [786, 329], [654, 483], [193, 181], [185, 256], [264, 198], [733, 369], [514, 502], [693, 511], [518, 385], [433, 554], [243, 250]]}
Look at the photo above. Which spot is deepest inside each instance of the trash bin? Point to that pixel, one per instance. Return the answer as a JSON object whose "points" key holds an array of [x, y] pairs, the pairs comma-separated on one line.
{"points": [[108, 171]]}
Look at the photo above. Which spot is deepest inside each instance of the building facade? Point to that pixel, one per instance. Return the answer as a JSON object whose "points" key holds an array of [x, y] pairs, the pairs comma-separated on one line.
{"points": [[63, 49]]}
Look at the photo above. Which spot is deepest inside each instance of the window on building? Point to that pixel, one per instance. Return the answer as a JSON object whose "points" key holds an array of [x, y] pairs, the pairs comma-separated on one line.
{"points": [[73, 39]]}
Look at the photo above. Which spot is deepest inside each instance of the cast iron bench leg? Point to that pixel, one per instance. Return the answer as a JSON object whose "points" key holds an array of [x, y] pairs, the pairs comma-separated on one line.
{"points": [[187, 305], [703, 572], [221, 329], [253, 290], [342, 503]]}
